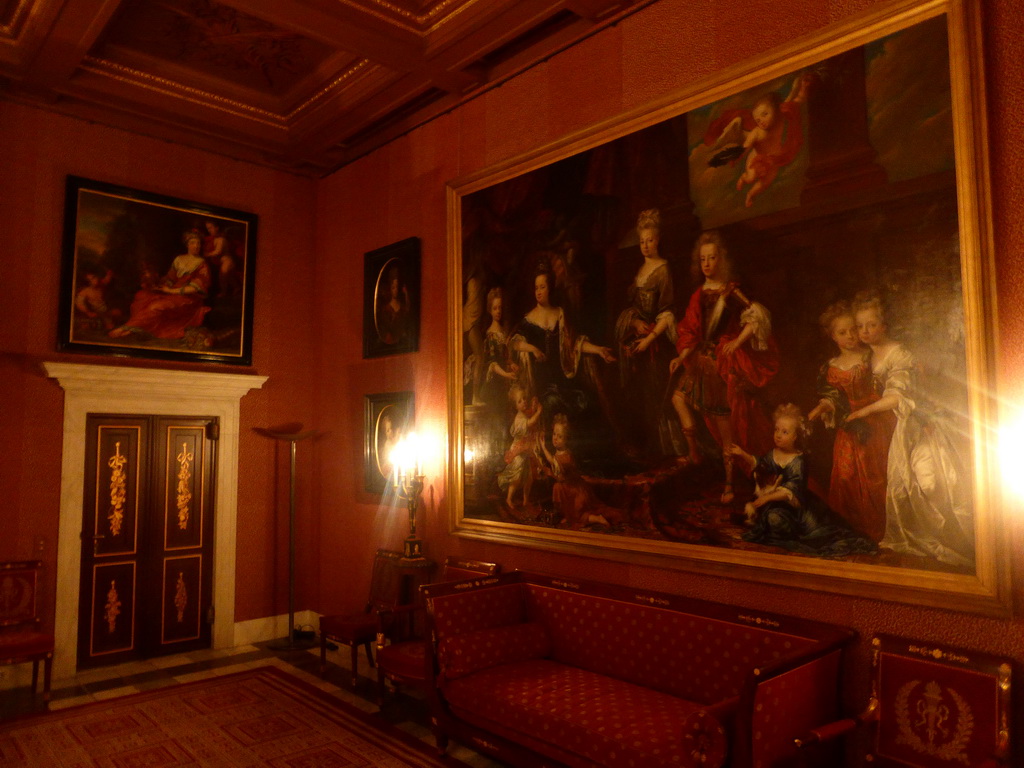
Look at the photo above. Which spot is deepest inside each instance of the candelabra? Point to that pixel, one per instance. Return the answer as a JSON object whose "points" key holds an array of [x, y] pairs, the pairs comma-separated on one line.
{"points": [[409, 486]]}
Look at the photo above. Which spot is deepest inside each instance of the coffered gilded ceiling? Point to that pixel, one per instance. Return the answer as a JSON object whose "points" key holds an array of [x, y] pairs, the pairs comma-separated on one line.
{"points": [[302, 85]]}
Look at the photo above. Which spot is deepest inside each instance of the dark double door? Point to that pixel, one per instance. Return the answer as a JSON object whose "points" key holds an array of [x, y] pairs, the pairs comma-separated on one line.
{"points": [[147, 537]]}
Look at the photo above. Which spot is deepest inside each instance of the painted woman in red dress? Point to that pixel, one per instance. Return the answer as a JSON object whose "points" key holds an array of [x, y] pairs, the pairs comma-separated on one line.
{"points": [[861, 450], [176, 303], [726, 346]]}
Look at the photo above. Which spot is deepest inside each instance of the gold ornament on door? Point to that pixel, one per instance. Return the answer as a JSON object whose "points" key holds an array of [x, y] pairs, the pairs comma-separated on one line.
{"points": [[118, 489], [184, 494], [113, 608], [181, 597]]}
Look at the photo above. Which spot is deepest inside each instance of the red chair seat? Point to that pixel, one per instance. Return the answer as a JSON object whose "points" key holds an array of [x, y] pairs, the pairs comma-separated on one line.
{"points": [[596, 718], [24, 644], [360, 629], [353, 630], [404, 662], [20, 638]]}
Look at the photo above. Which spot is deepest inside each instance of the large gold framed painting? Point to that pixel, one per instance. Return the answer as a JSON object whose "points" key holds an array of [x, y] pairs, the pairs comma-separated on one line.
{"points": [[747, 329]]}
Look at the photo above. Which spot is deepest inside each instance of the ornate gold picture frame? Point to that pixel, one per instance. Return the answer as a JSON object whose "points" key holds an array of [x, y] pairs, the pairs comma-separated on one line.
{"points": [[152, 276], [749, 328]]}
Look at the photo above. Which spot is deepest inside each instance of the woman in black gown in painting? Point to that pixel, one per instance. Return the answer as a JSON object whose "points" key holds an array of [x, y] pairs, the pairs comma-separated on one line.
{"points": [[549, 354]]}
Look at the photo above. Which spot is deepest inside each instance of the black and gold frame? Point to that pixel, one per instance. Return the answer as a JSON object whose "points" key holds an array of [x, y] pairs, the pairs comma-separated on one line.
{"points": [[391, 299], [148, 275], [387, 417]]}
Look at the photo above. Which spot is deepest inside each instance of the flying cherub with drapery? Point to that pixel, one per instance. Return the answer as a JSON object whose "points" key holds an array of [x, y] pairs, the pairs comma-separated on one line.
{"points": [[769, 133]]}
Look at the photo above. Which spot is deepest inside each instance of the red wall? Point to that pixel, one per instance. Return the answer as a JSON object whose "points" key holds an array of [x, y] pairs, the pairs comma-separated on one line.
{"points": [[400, 190], [40, 150], [311, 243]]}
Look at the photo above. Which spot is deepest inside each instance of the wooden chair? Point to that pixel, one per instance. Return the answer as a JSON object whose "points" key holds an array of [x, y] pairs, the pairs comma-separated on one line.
{"points": [[21, 639], [360, 629], [402, 657], [930, 706]]}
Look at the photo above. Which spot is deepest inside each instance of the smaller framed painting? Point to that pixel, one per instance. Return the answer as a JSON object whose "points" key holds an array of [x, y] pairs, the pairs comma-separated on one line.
{"points": [[388, 417], [146, 275], [391, 299]]}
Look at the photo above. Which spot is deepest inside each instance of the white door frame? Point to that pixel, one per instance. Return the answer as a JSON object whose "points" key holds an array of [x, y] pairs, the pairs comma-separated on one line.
{"points": [[108, 389]]}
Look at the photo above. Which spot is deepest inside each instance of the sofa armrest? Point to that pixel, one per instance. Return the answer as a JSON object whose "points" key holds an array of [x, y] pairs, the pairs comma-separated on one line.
{"points": [[830, 731], [781, 702], [827, 732], [705, 741]]}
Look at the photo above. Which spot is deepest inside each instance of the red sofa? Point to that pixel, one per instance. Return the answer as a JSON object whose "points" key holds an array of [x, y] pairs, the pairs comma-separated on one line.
{"points": [[537, 670]]}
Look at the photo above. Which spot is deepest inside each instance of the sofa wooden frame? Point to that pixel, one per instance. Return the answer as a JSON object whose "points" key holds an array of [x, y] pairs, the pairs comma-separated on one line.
{"points": [[827, 639]]}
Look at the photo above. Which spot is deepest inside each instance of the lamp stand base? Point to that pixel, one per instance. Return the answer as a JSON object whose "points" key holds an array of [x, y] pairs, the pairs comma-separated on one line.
{"points": [[412, 549]]}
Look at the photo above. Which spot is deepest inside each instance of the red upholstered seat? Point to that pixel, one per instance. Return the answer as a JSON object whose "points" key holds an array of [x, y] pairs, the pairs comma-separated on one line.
{"points": [[538, 670], [360, 629], [21, 639], [592, 719], [23, 642], [403, 662]]}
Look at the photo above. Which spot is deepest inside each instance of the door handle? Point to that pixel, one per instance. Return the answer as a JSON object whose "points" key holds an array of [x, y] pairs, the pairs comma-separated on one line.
{"points": [[95, 542]]}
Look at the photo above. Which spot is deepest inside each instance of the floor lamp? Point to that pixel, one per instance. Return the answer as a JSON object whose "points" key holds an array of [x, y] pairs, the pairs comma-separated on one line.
{"points": [[290, 642]]}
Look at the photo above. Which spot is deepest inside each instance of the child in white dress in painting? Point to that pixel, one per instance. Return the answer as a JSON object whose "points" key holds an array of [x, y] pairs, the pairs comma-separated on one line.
{"points": [[928, 490]]}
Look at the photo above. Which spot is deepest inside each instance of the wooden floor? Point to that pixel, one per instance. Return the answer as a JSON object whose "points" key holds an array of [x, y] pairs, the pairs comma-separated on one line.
{"points": [[405, 709]]}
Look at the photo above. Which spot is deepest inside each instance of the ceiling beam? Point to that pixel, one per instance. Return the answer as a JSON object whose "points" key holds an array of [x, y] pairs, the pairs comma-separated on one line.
{"points": [[342, 26], [390, 108], [72, 35], [594, 10]]}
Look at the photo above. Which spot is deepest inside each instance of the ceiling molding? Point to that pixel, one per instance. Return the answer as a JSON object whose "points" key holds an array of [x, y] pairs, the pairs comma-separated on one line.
{"points": [[304, 86]]}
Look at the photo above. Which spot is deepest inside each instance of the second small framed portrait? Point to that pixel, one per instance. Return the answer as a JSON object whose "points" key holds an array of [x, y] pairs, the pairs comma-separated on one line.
{"points": [[388, 416], [391, 299]]}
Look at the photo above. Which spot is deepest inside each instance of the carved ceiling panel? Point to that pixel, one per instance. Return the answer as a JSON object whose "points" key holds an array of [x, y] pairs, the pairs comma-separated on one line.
{"points": [[213, 40], [301, 85]]}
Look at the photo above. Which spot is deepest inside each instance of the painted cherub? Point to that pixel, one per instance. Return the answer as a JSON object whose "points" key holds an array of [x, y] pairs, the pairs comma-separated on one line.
{"points": [[91, 299], [770, 134]]}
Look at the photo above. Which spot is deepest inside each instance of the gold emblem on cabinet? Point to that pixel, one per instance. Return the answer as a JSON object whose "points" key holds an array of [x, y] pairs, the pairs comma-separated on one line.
{"points": [[933, 721]]}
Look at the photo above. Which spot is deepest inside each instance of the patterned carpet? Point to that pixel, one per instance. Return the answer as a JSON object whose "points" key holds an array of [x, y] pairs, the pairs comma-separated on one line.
{"points": [[253, 719]]}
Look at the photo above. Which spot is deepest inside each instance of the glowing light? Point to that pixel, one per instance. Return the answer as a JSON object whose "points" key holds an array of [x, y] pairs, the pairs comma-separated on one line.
{"points": [[407, 456], [1011, 454]]}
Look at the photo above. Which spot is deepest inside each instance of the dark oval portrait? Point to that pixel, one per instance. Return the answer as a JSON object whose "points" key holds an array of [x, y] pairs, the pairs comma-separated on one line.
{"points": [[391, 303]]}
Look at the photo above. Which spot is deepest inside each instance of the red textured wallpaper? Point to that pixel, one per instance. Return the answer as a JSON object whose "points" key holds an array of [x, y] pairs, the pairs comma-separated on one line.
{"points": [[653, 52], [41, 149], [309, 308]]}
